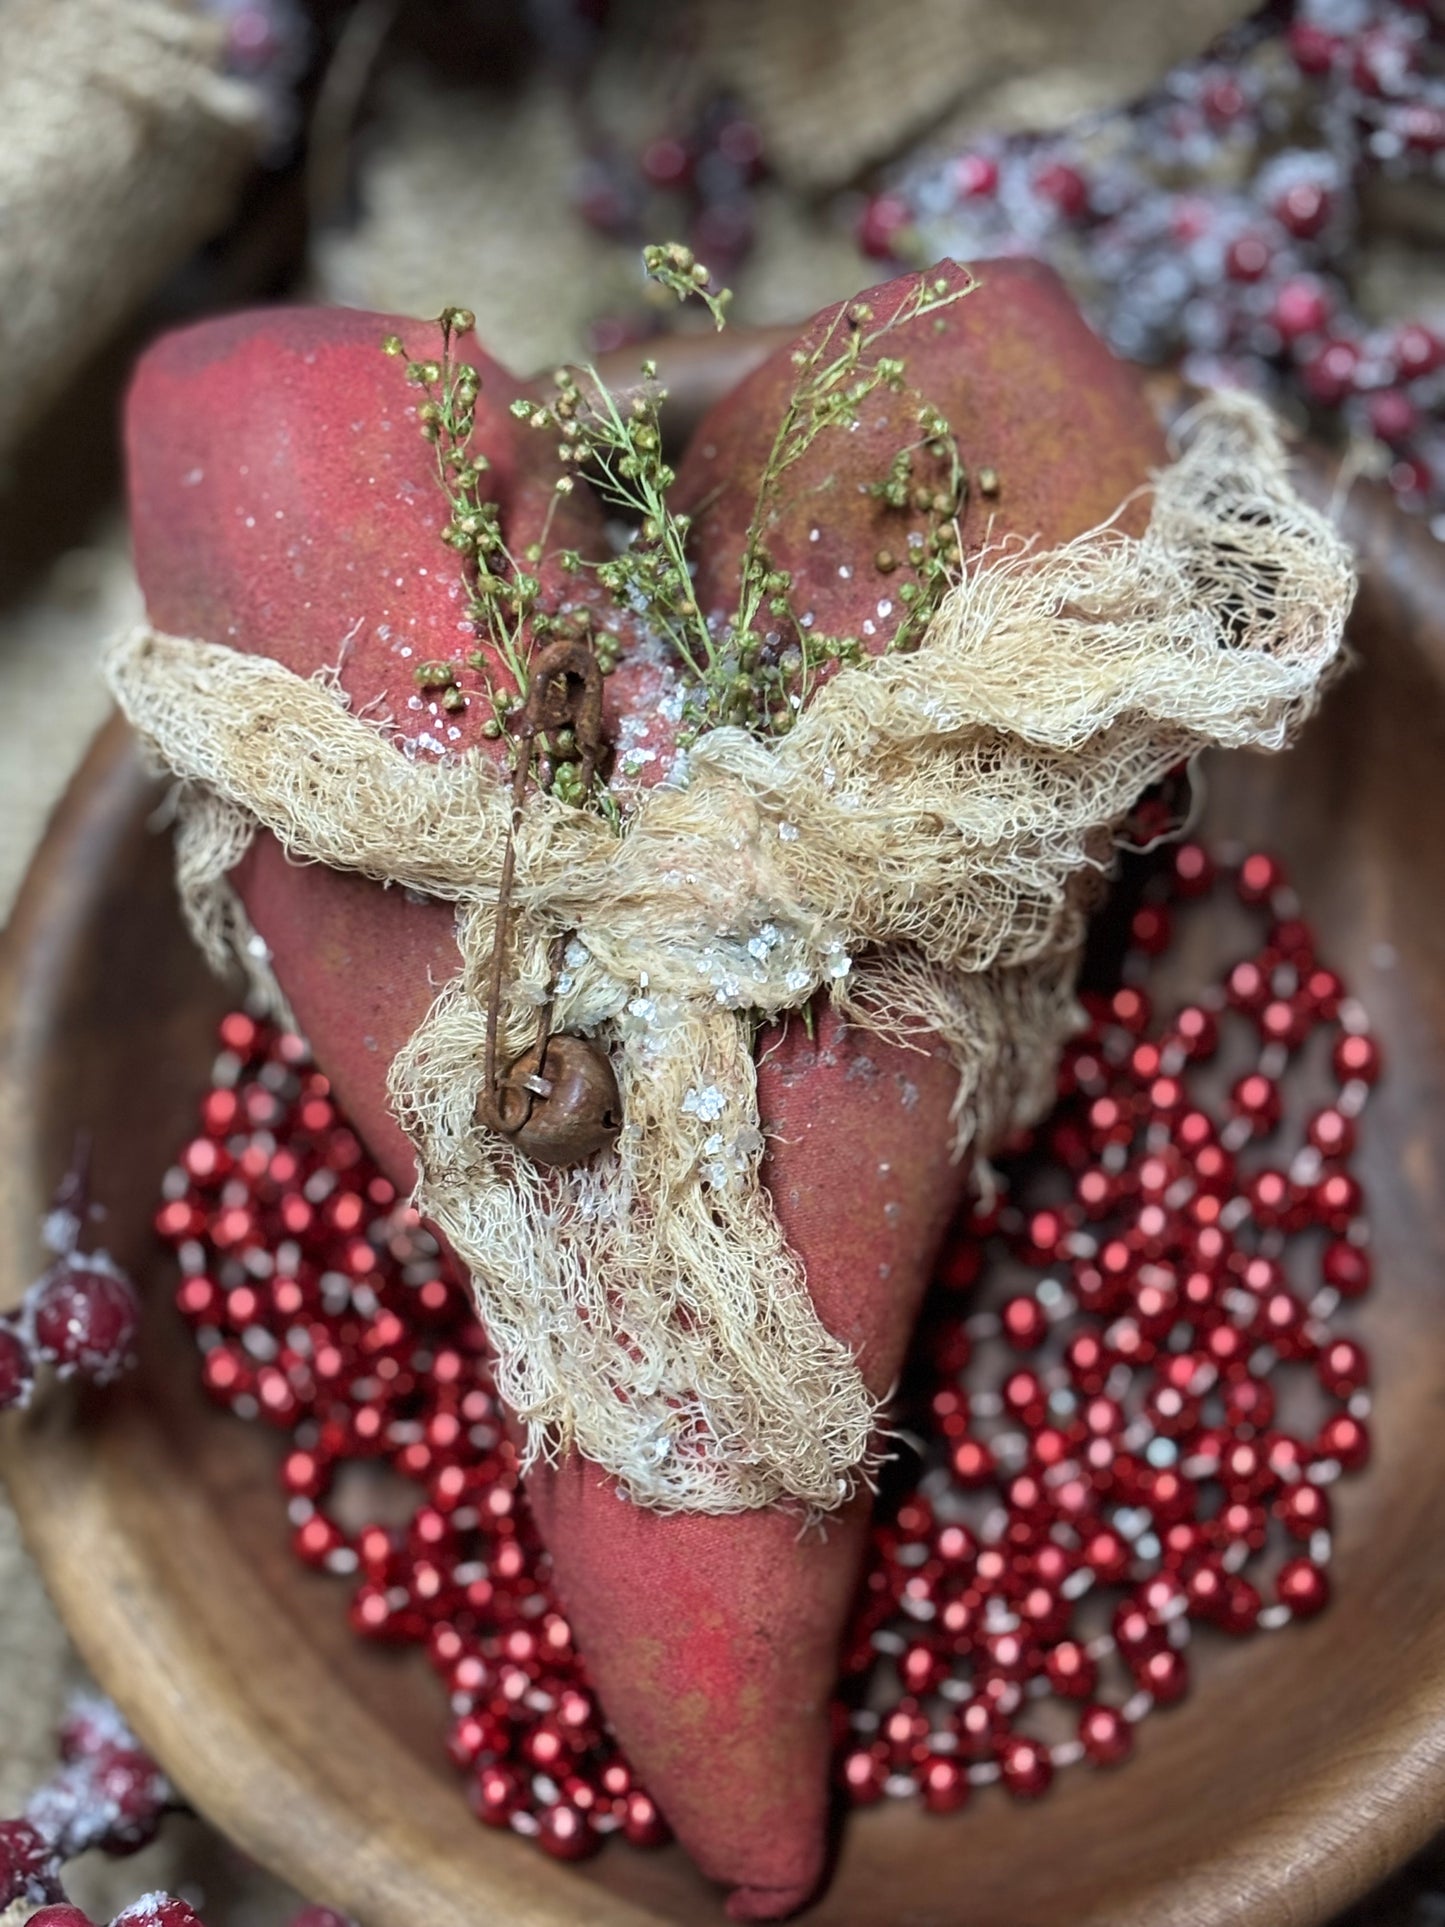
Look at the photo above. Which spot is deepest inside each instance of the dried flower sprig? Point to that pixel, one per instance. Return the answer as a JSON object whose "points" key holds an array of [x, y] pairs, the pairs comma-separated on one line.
{"points": [[755, 669], [623, 457], [502, 590], [676, 268], [835, 378]]}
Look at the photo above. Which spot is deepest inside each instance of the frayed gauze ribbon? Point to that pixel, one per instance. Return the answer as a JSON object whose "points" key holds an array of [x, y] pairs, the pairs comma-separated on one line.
{"points": [[923, 847]]}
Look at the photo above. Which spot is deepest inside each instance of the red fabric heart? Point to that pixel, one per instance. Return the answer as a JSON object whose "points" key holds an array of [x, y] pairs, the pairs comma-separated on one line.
{"points": [[283, 502]]}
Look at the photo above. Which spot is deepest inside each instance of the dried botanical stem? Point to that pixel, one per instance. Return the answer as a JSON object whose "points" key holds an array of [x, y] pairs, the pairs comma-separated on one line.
{"points": [[738, 674]]}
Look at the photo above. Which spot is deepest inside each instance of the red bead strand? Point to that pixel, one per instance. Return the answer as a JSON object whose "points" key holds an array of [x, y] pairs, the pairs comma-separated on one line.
{"points": [[1107, 1429]]}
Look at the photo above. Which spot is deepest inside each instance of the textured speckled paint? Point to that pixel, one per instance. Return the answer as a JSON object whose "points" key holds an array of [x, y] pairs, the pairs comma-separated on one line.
{"points": [[284, 502], [1028, 391], [714, 1642]]}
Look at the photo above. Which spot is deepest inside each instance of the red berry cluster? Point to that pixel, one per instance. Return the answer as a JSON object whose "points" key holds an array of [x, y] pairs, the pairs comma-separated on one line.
{"points": [[81, 1315], [1106, 1469], [109, 1796], [1219, 221]]}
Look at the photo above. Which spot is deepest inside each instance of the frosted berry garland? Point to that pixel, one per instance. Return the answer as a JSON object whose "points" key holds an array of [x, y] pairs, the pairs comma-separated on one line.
{"points": [[1104, 1470], [81, 1316], [165, 1910], [1219, 221], [107, 1796]]}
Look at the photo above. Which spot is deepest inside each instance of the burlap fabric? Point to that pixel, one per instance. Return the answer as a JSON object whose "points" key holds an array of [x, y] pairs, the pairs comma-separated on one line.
{"points": [[121, 147]]}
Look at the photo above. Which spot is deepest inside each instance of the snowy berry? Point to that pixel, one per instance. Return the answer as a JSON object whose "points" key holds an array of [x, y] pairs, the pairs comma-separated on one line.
{"points": [[84, 1315], [17, 1370], [29, 1868]]}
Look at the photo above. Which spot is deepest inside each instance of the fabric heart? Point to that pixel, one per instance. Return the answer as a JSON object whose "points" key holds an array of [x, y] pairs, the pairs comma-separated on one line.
{"points": [[284, 506]]}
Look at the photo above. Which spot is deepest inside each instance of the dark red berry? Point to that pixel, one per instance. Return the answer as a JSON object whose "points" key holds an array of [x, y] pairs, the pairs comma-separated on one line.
{"points": [[882, 226], [85, 1315], [1302, 307], [565, 1832], [29, 1867], [135, 1791], [17, 1370], [1065, 187], [642, 1824], [157, 1910]]}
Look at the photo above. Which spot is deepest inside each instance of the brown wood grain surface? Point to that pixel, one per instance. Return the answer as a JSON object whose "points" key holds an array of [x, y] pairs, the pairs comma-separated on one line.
{"points": [[1301, 1769]]}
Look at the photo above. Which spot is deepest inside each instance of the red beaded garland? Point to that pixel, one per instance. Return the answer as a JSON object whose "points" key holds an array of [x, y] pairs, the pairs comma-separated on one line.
{"points": [[565, 1831], [1026, 1767], [1110, 1427], [1303, 1586], [944, 1784], [1106, 1736]]}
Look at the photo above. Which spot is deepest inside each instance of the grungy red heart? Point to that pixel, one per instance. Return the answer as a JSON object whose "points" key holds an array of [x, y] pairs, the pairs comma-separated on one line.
{"points": [[283, 502]]}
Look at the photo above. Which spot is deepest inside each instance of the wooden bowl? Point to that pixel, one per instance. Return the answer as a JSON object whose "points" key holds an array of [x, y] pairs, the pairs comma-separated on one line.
{"points": [[1300, 1770]]}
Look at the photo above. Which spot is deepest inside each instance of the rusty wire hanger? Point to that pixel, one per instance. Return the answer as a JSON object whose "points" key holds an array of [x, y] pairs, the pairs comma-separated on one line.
{"points": [[565, 1117]]}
